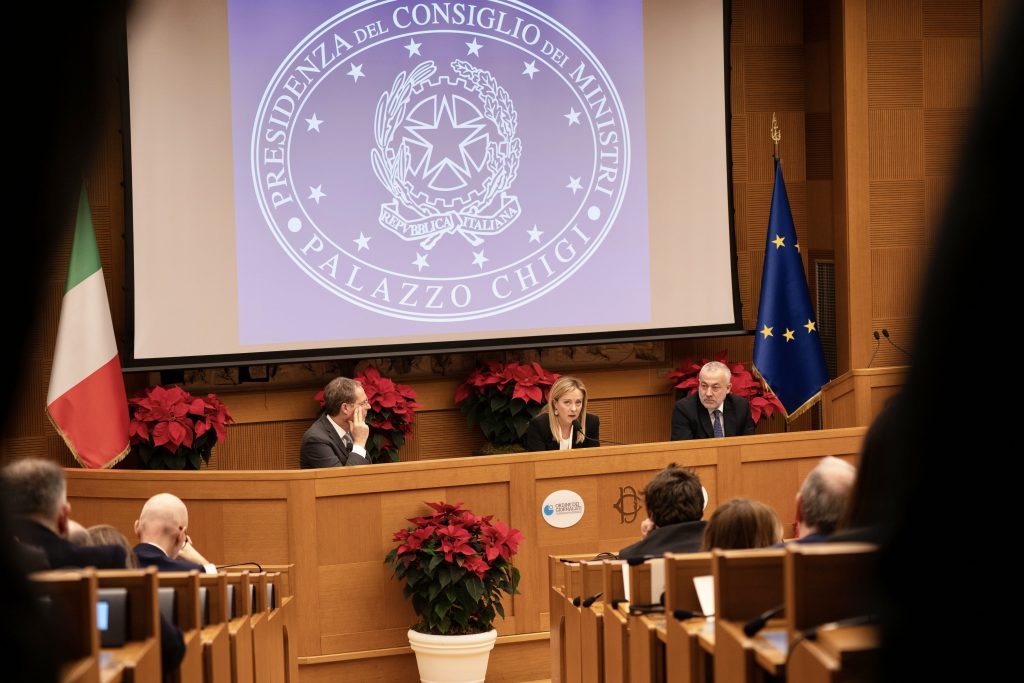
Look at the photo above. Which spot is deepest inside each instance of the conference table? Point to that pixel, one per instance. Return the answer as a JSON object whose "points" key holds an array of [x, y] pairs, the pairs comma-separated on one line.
{"points": [[336, 525]]}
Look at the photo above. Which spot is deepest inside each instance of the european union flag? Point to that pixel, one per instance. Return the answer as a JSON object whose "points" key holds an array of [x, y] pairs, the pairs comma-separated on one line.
{"points": [[787, 348]]}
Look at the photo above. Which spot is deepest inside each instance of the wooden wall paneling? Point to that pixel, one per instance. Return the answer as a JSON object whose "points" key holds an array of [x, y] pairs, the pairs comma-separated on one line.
{"points": [[523, 515], [952, 72], [895, 286], [943, 18], [894, 20], [302, 552], [942, 133], [897, 212]]}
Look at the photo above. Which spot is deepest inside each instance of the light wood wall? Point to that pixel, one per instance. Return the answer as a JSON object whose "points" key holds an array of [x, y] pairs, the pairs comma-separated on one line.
{"points": [[871, 96]]}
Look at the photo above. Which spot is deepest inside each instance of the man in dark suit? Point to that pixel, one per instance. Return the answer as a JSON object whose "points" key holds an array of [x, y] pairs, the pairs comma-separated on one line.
{"points": [[38, 500], [338, 437], [162, 528], [712, 411], [675, 506]]}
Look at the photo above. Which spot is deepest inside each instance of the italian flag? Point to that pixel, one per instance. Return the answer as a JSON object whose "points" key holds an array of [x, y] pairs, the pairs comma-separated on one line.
{"points": [[86, 400]]}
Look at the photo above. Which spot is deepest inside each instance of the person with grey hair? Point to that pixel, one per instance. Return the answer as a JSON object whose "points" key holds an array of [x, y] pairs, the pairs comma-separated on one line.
{"points": [[37, 498], [822, 499], [711, 411], [338, 437]]}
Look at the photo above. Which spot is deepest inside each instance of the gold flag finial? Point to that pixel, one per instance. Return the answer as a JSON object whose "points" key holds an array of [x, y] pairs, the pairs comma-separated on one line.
{"points": [[776, 134]]}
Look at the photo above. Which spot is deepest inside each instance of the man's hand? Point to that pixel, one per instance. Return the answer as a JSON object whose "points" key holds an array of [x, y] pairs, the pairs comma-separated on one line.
{"points": [[360, 430], [646, 527]]}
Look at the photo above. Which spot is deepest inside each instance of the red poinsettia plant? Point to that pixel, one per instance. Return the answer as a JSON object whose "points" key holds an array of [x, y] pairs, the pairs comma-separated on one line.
{"points": [[762, 402], [390, 416], [503, 397], [172, 430], [455, 566]]}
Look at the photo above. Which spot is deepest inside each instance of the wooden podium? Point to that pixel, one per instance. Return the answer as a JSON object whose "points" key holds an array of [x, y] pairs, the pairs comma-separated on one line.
{"points": [[855, 397]]}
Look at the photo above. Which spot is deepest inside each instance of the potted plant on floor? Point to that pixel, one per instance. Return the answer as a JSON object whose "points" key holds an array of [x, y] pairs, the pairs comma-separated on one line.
{"points": [[455, 566]]}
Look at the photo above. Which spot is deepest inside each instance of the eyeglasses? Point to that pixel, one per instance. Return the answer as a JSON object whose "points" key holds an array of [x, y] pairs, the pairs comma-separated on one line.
{"points": [[362, 404]]}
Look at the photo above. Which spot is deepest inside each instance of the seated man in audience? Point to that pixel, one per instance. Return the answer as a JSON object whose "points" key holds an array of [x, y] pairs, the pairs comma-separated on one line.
{"points": [[675, 504], [162, 530], [711, 411], [822, 499], [38, 501], [338, 437]]}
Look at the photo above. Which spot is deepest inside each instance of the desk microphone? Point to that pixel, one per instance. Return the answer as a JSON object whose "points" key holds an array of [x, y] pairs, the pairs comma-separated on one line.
{"points": [[684, 614], [878, 342], [599, 442], [752, 627], [885, 333], [653, 608], [592, 599]]}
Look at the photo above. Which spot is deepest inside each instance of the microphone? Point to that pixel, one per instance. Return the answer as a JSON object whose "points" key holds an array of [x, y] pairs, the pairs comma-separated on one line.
{"points": [[752, 627], [576, 601], [860, 620], [885, 333], [615, 603], [599, 442], [640, 559], [878, 342], [653, 608], [592, 599], [683, 614], [258, 566]]}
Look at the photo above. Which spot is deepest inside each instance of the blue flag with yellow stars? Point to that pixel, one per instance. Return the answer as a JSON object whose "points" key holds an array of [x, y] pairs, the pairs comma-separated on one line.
{"points": [[787, 348]]}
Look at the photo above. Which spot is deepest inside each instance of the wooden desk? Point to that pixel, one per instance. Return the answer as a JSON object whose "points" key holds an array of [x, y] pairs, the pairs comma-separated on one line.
{"points": [[838, 655], [292, 517]]}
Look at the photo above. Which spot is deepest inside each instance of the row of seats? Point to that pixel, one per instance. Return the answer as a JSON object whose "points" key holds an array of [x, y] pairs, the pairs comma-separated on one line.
{"points": [[799, 614], [237, 627]]}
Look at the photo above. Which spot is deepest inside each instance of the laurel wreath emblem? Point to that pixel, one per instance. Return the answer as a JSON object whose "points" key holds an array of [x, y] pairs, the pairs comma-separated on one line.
{"points": [[391, 165]]}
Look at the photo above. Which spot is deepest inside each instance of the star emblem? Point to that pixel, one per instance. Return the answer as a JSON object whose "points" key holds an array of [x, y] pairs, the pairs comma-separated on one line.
{"points": [[363, 242], [356, 72], [446, 144], [535, 234], [531, 68], [766, 331], [315, 193], [788, 334], [413, 47], [474, 48], [573, 116], [420, 262], [810, 326], [574, 184], [313, 123], [479, 259], [779, 241]]}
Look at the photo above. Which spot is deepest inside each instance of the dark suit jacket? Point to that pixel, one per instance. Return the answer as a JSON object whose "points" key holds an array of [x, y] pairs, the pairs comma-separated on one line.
{"points": [[322, 447], [151, 556], [63, 553], [539, 437], [690, 419], [685, 537]]}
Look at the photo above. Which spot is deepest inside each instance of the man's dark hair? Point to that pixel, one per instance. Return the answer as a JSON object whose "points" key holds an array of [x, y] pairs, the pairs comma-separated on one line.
{"points": [[339, 390], [674, 496]]}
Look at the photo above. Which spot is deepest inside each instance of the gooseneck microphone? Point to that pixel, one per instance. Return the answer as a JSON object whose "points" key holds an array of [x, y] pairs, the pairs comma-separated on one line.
{"points": [[684, 614], [885, 333], [592, 599], [599, 442], [752, 627], [878, 343]]}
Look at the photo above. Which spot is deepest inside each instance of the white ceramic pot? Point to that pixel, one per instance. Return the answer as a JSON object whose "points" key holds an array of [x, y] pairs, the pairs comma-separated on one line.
{"points": [[452, 659]]}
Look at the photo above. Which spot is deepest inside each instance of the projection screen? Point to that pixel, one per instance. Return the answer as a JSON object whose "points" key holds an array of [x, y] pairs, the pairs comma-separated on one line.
{"points": [[312, 179]]}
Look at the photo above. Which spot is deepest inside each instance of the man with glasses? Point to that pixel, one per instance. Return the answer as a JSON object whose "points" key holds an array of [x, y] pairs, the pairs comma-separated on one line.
{"points": [[338, 437]]}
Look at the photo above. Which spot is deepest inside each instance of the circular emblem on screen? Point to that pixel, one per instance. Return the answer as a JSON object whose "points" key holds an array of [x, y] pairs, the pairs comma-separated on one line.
{"points": [[440, 161]]}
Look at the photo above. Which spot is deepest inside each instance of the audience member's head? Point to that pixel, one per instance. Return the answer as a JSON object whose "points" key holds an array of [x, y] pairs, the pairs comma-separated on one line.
{"points": [[824, 496], [742, 523], [674, 496], [77, 533], [105, 534], [164, 523], [36, 490]]}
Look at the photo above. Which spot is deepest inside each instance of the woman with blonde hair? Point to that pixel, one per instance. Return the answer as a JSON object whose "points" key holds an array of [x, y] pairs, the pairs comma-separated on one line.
{"points": [[742, 523], [105, 534], [564, 423]]}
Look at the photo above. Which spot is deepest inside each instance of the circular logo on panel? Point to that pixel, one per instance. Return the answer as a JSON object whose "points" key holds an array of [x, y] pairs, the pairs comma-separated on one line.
{"points": [[440, 161], [562, 508]]}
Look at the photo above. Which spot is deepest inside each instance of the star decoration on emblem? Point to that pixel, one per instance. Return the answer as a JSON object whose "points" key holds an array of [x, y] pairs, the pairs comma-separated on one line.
{"points": [[535, 234], [420, 262], [531, 68], [788, 334], [573, 116], [446, 145], [474, 48], [574, 184], [356, 72], [779, 241], [767, 331], [313, 123], [413, 47], [315, 193], [363, 242], [810, 326], [479, 259]]}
